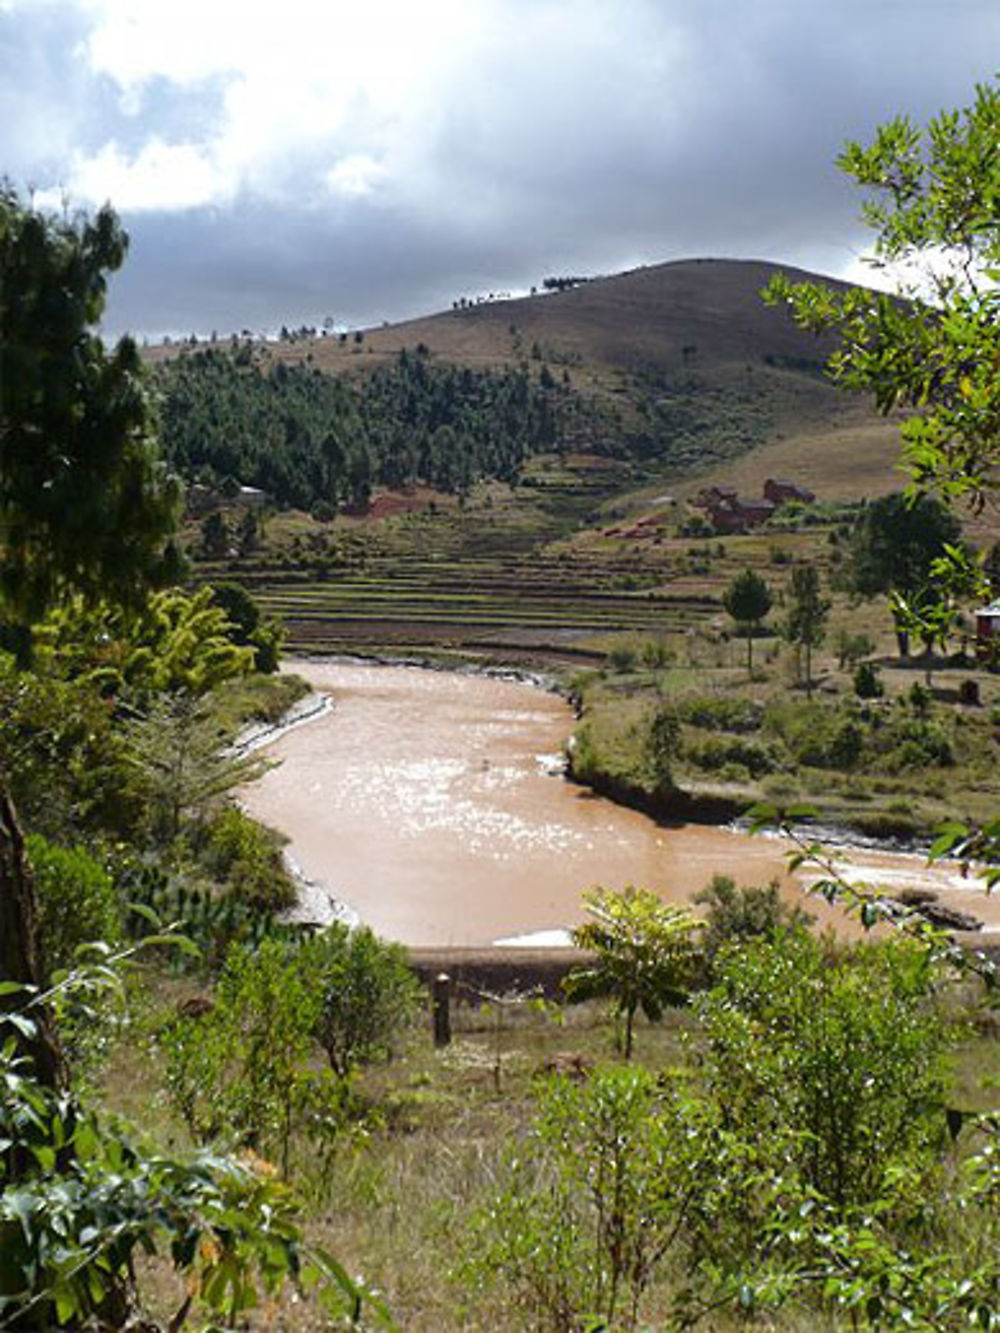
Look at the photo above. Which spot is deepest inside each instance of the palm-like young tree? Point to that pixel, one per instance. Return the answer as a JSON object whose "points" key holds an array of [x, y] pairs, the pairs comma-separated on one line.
{"points": [[644, 954]]}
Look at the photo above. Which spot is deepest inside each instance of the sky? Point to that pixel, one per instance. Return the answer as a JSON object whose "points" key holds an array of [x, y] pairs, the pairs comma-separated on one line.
{"points": [[359, 162]]}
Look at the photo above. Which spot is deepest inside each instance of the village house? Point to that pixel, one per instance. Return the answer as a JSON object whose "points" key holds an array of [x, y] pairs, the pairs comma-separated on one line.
{"points": [[728, 511], [780, 491], [988, 633]]}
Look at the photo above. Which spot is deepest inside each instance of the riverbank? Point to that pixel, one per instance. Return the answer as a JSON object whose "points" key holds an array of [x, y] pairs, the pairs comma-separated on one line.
{"points": [[431, 805], [883, 771]]}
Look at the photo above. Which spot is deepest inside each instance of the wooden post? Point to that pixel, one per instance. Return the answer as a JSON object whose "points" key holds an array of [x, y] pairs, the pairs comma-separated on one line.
{"points": [[441, 1005]]}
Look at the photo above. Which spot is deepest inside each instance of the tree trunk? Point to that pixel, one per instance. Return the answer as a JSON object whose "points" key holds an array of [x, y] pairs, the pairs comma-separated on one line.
{"points": [[903, 642], [19, 944]]}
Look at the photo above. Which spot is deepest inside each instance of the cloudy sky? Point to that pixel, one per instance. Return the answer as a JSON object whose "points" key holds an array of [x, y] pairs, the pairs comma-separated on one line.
{"points": [[372, 159]]}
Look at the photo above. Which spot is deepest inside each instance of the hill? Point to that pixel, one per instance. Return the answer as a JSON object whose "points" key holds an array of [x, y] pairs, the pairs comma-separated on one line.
{"points": [[672, 368], [663, 318], [571, 410]]}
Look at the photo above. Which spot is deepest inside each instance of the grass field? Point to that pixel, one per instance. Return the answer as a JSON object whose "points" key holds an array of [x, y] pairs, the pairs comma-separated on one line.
{"points": [[394, 1194]]}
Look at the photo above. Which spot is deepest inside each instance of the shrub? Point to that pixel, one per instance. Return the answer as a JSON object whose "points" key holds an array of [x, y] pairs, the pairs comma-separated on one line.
{"points": [[845, 1051], [367, 995], [868, 681], [738, 914], [656, 653], [719, 752], [244, 1069], [920, 699], [246, 857], [77, 902], [622, 657], [661, 746], [591, 1202], [722, 713], [644, 956]]}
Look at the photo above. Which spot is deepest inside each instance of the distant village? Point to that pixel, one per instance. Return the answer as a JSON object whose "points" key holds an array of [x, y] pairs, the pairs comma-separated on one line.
{"points": [[728, 511], [725, 509]]}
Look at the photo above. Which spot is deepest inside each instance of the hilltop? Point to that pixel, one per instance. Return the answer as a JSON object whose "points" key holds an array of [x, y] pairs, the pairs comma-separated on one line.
{"points": [[664, 317]]}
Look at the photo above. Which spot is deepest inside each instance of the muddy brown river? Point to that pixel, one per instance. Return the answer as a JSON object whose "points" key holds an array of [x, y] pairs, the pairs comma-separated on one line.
{"points": [[432, 805]]}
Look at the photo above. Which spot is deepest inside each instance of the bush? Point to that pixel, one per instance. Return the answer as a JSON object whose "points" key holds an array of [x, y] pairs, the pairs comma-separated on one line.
{"points": [[591, 1202], [245, 1068], [846, 1052], [77, 902], [738, 914], [622, 657], [661, 746], [247, 858], [739, 715], [912, 742], [367, 995], [719, 752], [656, 653], [867, 681]]}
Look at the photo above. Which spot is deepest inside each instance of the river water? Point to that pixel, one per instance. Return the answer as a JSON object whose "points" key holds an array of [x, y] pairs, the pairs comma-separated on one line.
{"points": [[432, 804]]}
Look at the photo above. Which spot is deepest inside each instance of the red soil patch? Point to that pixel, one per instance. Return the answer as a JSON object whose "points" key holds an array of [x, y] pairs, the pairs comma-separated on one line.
{"points": [[389, 503]]}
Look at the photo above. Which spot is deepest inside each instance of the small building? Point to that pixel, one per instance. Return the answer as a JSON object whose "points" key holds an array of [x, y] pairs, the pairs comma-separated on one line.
{"points": [[713, 495], [988, 633], [736, 514], [779, 492]]}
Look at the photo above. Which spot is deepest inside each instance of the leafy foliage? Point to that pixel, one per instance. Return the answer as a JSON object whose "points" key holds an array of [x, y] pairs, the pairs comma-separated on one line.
{"points": [[308, 438], [732, 915], [367, 994], [181, 763], [933, 208], [84, 502], [805, 623], [79, 1202], [241, 1073], [846, 1052], [246, 856], [645, 958], [748, 599], [77, 902], [591, 1203]]}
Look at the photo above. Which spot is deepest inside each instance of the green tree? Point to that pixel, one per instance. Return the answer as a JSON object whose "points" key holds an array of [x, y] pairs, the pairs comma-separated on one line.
{"points": [[248, 627], [77, 902], [805, 623], [215, 535], [846, 1052], [595, 1197], [245, 1068], [662, 745], [85, 504], [367, 994], [933, 206], [894, 548], [181, 764], [748, 599], [737, 914], [645, 957]]}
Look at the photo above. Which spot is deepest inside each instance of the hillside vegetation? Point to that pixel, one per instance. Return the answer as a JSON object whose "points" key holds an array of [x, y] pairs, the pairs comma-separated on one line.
{"points": [[669, 368]]}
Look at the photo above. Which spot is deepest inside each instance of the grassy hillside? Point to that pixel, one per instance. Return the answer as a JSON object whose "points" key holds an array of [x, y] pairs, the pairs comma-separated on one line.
{"points": [[690, 378]]}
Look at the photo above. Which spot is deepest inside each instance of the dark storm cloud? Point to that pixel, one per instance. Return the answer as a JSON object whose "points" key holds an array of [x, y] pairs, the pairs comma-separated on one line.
{"points": [[573, 136]]}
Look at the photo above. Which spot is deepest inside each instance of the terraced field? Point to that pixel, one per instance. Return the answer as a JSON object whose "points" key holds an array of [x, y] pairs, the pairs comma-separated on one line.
{"points": [[513, 574], [544, 605]]}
